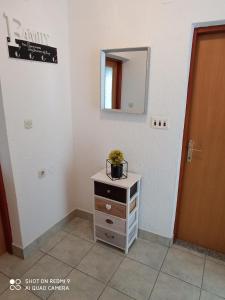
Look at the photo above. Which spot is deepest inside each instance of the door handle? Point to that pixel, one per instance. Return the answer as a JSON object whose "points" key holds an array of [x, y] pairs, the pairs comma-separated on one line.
{"points": [[190, 150]]}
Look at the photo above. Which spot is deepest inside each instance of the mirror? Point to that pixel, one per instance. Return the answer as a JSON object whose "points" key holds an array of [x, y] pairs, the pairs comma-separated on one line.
{"points": [[125, 79]]}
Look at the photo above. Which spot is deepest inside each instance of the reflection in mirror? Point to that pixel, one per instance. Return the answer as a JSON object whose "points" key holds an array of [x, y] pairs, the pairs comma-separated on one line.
{"points": [[124, 79]]}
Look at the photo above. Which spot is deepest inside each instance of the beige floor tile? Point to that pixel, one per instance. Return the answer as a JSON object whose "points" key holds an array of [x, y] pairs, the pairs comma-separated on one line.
{"points": [[4, 283], [80, 227], [46, 268], [216, 260], [18, 295], [15, 267], [184, 265], [192, 251], [48, 243], [114, 249], [111, 294], [171, 288], [82, 287], [134, 279], [100, 263], [71, 250], [148, 253], [214, 278], [207, 296]]}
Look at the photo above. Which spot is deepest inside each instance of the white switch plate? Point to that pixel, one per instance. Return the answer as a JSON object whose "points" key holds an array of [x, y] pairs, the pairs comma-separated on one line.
{"points": [[159, 122], [28, 124]]}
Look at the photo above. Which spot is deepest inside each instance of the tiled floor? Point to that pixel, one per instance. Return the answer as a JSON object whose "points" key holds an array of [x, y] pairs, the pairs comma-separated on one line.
{"points": [[97, 271]]}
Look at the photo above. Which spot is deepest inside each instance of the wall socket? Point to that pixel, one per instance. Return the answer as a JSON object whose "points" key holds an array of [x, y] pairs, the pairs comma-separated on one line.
{"points": [[28, 124], [41, 173], [159, 122]]}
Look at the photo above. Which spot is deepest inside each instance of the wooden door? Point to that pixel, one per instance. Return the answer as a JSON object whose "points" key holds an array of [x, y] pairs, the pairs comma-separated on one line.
{"points": [[116, 67], [201, 198], [2, 238], [5, 228]]}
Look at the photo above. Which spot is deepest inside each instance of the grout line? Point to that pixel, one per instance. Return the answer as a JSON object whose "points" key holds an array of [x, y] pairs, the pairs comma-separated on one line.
{"points": [[58, 285], [122, 260], [19, 277], [111, 276], [76, 235], [89, 275], [157, 270], [209, 292], [203, 273], [121, 292], [158, 274], [102, 292], [4, 290], [163, 272], [46, 251]]}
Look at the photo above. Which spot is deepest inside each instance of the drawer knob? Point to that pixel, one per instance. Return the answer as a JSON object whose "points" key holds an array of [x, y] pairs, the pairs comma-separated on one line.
{"points": [[109, 236], [109, 221], [108, 206], [108, 191]]}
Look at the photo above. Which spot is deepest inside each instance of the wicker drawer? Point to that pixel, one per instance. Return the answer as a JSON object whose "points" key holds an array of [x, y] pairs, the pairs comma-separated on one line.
{"points": [[110, 207], [113, 238], [132, 234], [110, 191], [110, 222], [132, 219]]}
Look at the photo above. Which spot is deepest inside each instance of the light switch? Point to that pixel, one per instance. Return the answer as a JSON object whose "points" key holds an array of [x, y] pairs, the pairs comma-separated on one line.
{"points": [[159, 122], [28, 124]]}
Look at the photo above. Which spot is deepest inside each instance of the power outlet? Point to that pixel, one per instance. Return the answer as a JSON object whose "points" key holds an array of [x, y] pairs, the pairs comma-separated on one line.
{"points": [[159, 123], [42, 173], [28, 124]]}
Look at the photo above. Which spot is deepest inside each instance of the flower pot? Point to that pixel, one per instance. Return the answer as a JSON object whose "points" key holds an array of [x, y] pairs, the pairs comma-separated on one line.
{"points": [[117, 171]]}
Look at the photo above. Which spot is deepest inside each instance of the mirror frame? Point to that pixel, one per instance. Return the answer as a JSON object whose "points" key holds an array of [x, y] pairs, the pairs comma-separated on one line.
{"points": [[102, 77]]}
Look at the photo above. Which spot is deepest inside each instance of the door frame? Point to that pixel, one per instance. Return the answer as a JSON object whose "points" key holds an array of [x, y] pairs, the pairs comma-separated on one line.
{"points": [[5, 215], [197, 32]]}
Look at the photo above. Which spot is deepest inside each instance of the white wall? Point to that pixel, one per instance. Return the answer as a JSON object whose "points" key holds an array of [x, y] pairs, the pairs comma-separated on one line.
{"points": [[41, 92], [165, 26]]}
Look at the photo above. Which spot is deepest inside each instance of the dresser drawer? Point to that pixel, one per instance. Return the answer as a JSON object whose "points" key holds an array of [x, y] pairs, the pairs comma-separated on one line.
{"points": [[108, 236], [110, 222], [110, 191], [110, 207]]}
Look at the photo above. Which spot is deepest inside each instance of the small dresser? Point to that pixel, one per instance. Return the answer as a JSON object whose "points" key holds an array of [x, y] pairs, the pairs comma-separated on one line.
{"points": [[116, 205]]}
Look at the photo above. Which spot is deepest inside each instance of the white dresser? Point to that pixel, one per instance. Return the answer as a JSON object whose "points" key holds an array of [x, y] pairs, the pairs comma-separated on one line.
{"points": [[116, 205]]}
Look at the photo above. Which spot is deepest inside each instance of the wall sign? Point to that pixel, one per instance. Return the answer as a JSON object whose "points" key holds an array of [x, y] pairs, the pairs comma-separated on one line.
{"points": [[24, 43], [33, 51]]}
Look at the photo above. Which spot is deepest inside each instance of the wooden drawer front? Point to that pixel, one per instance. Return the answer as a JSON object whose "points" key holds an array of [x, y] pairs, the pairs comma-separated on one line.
{"points": [[110, 222], [111, 237], [111, 192], [110, 207]]}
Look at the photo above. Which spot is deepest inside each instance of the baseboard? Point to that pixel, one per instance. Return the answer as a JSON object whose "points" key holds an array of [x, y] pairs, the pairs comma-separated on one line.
{"points": [[152, 237], [84, 214], [143, 234], [23, 253]]}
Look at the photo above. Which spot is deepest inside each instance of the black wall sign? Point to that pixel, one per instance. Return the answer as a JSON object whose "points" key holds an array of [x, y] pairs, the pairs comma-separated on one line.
{"points": [[33, 51]]}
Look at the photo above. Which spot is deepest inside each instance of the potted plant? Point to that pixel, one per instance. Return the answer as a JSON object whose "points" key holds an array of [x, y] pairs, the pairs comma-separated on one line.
{"points": [[116, 158]]}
